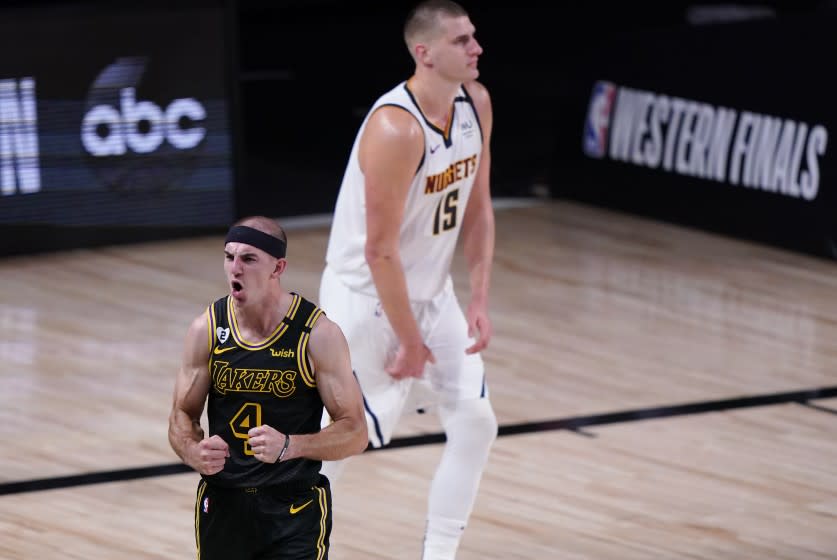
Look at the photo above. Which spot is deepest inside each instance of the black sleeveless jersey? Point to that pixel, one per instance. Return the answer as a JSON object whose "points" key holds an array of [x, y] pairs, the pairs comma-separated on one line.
{"points": [[271, 383]]}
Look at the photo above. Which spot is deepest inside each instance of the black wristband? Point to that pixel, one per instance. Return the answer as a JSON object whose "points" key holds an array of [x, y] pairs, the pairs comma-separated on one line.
{"points": [[284, 448]]}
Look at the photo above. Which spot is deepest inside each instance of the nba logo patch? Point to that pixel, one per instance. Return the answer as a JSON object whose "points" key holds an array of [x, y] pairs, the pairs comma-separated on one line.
{"points": [[597, 124], [206, 504]]}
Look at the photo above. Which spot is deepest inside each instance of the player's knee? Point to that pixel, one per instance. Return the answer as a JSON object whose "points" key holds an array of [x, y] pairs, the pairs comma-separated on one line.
{"points": [[471, 420]]}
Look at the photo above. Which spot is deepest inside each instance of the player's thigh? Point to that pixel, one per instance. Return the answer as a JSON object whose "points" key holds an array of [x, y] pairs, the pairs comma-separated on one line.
{"points": [[372, 345], [455, 375], [223, 524], [302, 525], [372, 342]]}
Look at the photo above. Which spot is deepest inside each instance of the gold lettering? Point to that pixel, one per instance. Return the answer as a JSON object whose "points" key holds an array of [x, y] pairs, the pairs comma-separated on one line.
{"points": [[431, 184], [221, 376], [260, 381], [282, 383], [456, 172], [240, 380]]}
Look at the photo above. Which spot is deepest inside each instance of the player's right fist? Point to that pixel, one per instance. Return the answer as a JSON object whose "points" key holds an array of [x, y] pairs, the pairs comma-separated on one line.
{"points": [[210, 455]]}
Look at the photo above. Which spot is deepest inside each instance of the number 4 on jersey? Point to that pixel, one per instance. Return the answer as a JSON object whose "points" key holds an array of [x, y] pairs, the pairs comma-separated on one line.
{"points": [[248, 416]]}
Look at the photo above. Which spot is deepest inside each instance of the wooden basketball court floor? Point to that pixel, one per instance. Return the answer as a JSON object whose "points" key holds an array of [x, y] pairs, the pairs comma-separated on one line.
{"points": [[662, 393]]}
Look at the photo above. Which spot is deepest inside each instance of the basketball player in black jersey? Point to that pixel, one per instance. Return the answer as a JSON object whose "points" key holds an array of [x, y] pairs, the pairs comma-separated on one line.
{"points": [[268, 362]]}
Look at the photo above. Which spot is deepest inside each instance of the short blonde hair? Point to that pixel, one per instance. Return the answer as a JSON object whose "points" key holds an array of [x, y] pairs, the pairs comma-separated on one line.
{"points": [[423, 20]]}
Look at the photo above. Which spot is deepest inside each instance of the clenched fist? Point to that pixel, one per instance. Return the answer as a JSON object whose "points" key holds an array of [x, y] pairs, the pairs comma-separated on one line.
{"points": [[266, 443], [210, 454]]}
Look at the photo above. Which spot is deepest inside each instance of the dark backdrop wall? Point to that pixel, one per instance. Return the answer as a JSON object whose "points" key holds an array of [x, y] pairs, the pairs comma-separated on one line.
{"points": [[114, 122], [722, 119], [711, 115], [311, 70], [749, 83]]}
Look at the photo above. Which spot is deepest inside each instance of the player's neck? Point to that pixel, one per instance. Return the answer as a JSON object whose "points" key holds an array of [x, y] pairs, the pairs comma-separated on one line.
{"points": [[257, 320], [433, 95]]}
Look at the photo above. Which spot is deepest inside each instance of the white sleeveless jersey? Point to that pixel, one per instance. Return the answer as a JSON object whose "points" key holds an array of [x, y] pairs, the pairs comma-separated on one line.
{"points": [[435, 204]]}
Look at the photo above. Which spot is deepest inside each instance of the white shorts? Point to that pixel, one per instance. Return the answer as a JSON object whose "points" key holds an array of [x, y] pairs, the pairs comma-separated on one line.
{"points": [[455, 376]]}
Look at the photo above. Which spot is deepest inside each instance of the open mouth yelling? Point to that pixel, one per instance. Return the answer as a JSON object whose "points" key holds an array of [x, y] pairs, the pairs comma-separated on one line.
{"points": [[236, 288]]}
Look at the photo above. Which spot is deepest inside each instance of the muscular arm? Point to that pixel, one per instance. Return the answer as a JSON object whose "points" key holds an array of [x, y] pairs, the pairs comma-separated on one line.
{"points": [[340, 392], [190, 391], [390, 151], [478, 228]]}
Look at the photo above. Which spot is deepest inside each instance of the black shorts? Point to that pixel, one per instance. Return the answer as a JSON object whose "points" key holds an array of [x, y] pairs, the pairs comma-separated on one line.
{"points": [[264, 523]]}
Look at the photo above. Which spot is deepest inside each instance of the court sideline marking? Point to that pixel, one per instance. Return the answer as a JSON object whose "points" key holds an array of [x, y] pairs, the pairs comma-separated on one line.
{"points": [[574, 424]]}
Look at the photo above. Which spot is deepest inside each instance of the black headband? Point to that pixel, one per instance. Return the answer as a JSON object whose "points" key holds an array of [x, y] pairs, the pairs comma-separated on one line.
{"points": [[258, 239]]}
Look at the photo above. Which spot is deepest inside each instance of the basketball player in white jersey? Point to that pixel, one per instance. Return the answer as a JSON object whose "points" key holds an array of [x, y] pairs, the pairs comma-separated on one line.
{"points": [[417, 177]]}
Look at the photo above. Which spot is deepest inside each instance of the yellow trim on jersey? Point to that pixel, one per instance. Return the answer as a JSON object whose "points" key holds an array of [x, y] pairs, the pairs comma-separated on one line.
{"points": [[321, 547], [302, 350], [274, 336], [294, 307], [211, 324], [449, 124], [302, 361], [313, 317], [201, 492]]}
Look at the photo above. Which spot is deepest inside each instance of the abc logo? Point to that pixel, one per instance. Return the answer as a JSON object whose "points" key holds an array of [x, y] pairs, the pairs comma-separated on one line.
{"points": [[134, 144], [141, 126]]}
